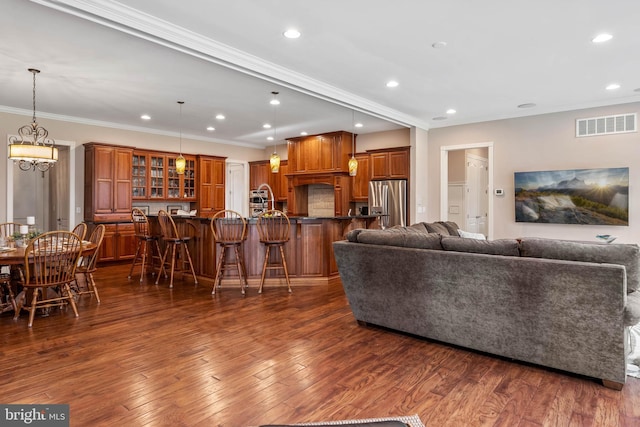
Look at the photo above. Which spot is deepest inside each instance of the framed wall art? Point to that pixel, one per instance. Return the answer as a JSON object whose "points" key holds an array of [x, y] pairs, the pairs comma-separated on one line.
{"points": [[576, 196]]}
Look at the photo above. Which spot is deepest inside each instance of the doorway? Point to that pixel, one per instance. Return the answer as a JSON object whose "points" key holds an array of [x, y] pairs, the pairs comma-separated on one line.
{"points": [[466, 184], [49, 196], [237, 197]]}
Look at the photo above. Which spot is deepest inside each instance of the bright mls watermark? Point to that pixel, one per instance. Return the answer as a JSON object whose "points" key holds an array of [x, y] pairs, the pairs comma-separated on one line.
{"points": [[34, 415]]}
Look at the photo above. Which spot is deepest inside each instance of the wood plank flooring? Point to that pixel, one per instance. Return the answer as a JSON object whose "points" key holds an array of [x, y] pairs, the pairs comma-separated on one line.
{"points": [[151, 356]]}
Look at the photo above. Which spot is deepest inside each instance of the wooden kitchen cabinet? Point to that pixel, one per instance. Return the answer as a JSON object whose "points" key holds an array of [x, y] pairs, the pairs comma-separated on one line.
{"points": [[320, 153], [155, 178], [360, 182], [391, 163], [210, 178], [107, 182], [119, 242], [260, 173]]}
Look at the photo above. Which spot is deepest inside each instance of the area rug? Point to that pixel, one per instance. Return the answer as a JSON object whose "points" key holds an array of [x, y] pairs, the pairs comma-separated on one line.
{"points": [[411, 420]]}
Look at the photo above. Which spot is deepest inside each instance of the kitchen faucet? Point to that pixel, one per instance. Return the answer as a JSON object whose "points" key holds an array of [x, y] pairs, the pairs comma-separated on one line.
{"points": [[273, 203]]}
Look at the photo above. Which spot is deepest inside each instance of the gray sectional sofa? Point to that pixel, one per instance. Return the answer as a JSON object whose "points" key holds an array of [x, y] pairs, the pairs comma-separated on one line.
{"points": [[560, 304]]}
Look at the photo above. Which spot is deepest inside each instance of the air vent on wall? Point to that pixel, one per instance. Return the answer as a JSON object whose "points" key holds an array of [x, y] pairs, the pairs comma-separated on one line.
{"points": [[604, 125]]}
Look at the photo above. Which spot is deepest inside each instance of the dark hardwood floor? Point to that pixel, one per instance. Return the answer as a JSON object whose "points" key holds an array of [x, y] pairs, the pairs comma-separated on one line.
{"points": [[151, 356]]}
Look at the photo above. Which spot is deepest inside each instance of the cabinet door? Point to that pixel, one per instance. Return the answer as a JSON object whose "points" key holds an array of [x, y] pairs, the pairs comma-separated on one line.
{"points": [[258, 174], [219, 184], [327, 153], [126, 241], [139, 176], [399, 164], [188, 180], [312, 154], [157, 171], [122, 171], [360, 182], [109, 244], [282, 188], [104, 159], [379, 165]]}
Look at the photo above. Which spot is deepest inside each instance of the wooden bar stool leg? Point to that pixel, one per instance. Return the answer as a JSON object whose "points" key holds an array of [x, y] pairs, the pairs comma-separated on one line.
{"points": [[284, 266], [264, 267], [162, 261], [244, 269], [193, 271], [218, 280], [135, 258], [239, 267], [159, 251], [173, 264]]}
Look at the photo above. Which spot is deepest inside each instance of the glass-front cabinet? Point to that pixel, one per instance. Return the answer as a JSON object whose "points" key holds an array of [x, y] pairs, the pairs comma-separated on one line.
{"points": [[154, 177], [139, 176]]}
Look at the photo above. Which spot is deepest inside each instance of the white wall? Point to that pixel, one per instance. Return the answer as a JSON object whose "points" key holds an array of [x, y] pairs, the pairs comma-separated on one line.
{"points": [[538, 143]]}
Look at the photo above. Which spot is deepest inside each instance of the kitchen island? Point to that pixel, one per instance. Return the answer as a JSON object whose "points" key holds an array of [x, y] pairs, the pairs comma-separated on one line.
{"points": [[309, 251]]}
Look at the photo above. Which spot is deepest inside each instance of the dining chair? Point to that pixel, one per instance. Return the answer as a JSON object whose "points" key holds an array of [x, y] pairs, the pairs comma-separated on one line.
{"points": [[80, 230], [229, 230], [147, 242], [88, 265], [8, 228], [176, 244], [274, 228], [50, 262]]}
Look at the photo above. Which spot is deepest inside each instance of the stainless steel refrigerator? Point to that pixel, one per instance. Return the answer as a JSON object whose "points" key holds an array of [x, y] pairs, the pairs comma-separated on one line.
{"points": [[389, 198]]}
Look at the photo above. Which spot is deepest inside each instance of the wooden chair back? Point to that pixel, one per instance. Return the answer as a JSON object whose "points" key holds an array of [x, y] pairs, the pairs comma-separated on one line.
{"points": [[168, 226], [88, 263], [273, 226], [51, 259], [228, 227], [140, 223], [80, 230], [8, 228]]}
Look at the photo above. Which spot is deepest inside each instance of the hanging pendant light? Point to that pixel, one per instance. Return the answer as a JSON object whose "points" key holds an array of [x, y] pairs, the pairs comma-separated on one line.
{"points": [[181, 162], [33, 149], [353, 162], [274, 159]]}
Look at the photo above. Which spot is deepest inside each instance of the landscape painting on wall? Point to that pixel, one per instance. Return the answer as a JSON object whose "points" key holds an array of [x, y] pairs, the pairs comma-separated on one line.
{"points": [[578, 196]]}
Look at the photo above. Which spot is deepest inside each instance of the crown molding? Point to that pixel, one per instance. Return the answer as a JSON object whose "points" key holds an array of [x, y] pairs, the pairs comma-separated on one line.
{"points": [[89, 122], [134, 22]]}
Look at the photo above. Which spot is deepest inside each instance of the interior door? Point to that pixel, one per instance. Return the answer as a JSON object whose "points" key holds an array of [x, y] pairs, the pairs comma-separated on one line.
{"points": [[237, 199], [477, 177]]}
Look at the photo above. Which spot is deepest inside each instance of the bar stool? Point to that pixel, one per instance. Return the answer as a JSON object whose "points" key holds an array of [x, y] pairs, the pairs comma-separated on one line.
{"points": [[229, 230], [147, 242], [274, 227], [177, 244]]}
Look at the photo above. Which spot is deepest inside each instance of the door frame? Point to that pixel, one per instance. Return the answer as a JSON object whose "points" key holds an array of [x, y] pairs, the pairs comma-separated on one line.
{"points": [[245, 185], [444, 179], [72, 181]]}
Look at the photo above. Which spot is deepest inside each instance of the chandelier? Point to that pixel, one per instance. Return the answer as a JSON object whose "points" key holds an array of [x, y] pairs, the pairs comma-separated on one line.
{"points": [[181, 162], [33, 149]]}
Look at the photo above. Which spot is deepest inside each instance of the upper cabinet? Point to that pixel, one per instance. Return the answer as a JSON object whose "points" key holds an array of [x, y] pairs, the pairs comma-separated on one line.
{"points": [[107, 182], [154, 177], [260, 173], [319, 153], [211, 185], [390, 163]]}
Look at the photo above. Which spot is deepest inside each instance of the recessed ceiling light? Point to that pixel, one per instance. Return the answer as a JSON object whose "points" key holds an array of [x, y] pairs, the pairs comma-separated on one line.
{"points": [[269, 138], [358, 125], [145, 117], [392, 83], [527, 105], [304, 133], [210, 128], [291, 33], [220, 117], [451, 111], [613, 86], [439, 118], [601, 38], [266, 126], [274, 101], [439, 45]]}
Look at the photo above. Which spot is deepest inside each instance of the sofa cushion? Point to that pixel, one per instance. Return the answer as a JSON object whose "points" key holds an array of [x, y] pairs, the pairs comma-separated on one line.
{"points": [[508, 247], [401, 236], [604, 253], [470, 235], [445, 228], [632, 309]]}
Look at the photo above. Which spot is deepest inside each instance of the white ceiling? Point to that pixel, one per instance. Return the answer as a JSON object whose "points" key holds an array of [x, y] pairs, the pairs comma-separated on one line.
{"points": [[104, 62]]}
